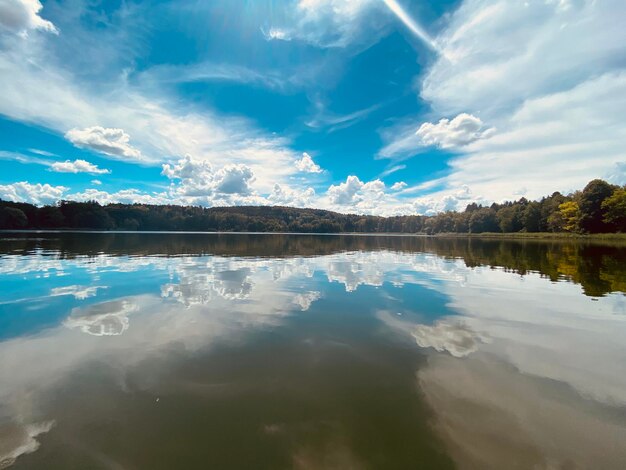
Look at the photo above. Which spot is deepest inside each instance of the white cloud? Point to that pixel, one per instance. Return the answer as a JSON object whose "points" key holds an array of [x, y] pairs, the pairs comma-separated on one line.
{"points": [[206, 71], [355, 196], [286, 196], [234, 179], [21, 16], [572, 136], [196, 178], [497, 54], [391, 170], [124, 196], [341, 23], [40, 88], [96, 182], [333, 23], [307, 165], [549, 75], [43, 153], [460, 131], [276, 34], [194, 183], [113, 142], [449, 200], [398, 186], [326, 118], [404, 141], [189, 168], [345, 193], [78, 166], [34, 193]]}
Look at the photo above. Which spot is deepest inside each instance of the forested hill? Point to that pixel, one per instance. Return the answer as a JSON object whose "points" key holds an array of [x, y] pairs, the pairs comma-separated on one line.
{"points": [[599, 208]]}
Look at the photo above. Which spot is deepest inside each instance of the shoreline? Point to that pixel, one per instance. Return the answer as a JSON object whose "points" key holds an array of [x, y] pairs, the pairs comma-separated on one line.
{"points": [[619, 237], [538, 236]]}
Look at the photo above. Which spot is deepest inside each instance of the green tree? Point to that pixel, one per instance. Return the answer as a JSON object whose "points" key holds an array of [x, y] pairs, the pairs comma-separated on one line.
{"points": [[531, 218], [614, 208], [590, 206], [509, 218], [570, 215], [12, 218], [483, 220], [51, 217]]}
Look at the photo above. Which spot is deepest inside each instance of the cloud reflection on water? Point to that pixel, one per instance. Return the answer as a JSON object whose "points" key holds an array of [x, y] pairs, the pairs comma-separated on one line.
{"points": [[503, 342]]}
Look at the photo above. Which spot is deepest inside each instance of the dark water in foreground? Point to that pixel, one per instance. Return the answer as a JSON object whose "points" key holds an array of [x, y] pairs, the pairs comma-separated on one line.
{"points": [[162, 351]]}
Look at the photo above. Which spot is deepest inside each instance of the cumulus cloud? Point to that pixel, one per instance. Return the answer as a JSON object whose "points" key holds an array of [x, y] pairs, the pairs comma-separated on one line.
{"points": [[196, 178], [22, 16], [307, 165], [404, 141], [372, 197], [286, 196], [460, 131], [188, 168], [448, 200], [42, 85], [124, 196], [398, 186], [194, 183], [34, 193], [345, 193], [78, 166], [234, 179], [110, 141]]}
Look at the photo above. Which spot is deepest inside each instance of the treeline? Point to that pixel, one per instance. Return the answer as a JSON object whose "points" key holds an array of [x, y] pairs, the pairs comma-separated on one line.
{"points": [[599, 208]]}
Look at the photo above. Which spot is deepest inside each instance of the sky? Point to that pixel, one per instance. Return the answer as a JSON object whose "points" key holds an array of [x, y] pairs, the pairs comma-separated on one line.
{"points": [[384, 107]]}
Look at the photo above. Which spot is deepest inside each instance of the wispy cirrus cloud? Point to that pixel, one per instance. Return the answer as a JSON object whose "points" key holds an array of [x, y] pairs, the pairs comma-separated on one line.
{"points": [[162, 128], [332, 23], [554, 109]]}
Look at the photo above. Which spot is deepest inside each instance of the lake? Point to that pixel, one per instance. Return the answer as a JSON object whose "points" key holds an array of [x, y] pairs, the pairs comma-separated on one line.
{"points": [[251, 351]]}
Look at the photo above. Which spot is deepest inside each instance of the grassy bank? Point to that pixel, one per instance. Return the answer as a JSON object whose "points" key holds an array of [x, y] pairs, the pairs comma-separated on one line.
{"points": [[541, 236]]}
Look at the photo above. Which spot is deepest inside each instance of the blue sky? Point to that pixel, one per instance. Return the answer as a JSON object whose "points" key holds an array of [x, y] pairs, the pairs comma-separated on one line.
{"points": [[370, 106]]}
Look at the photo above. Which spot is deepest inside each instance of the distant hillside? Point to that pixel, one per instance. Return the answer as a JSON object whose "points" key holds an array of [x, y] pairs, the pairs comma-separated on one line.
{"points": [[599, 208]]}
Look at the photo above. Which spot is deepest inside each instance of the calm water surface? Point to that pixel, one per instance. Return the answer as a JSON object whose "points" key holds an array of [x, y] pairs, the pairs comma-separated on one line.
{"points": [[162, 351]]}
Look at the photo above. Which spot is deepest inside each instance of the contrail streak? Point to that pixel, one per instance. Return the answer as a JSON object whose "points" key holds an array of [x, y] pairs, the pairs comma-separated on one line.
{"points": [[410, 23]]}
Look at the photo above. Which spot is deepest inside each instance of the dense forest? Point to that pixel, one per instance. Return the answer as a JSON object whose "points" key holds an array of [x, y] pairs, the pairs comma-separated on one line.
{"points": [[599, 208]]}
